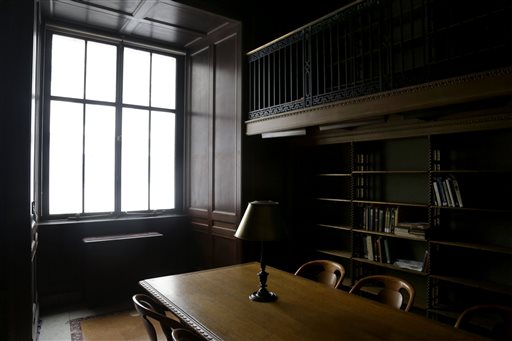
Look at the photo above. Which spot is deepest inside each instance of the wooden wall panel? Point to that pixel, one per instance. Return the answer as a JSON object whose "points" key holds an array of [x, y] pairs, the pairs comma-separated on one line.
{"points": [[199, 118], [226, 122], [214, 146]]}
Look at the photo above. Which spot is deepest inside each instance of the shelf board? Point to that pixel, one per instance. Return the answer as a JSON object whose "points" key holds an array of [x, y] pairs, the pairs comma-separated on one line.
{"points": [[469, 282], [333, 199], [391, 172], [335, 174], [389, 266], [475, 171], [337, 227], [475, 246], [337, 253], [446, 313], [389, 203], [472, 209], [392, 235]]}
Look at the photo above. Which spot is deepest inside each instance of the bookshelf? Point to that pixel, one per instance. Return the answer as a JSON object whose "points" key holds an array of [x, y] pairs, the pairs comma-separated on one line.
{"points": [[365, 194]]}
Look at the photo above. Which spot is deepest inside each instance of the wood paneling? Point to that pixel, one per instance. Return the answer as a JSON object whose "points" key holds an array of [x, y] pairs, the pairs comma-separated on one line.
{"points": [[214, 145], [17, 23], [199, 128], [226, 123]]}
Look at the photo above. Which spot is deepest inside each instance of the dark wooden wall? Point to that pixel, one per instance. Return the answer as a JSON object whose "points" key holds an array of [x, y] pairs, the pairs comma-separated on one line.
{"points": [[69, 272], [16, 25], [213, 149]]}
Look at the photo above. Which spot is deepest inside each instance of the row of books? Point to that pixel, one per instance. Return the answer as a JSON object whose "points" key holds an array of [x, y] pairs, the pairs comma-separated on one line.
{"points": [[363, 161], [446, 191], [376, 249], [379, 219]]}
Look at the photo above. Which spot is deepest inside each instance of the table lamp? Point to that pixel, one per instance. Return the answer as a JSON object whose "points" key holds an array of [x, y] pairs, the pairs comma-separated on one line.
{"points": [[261, 222]]}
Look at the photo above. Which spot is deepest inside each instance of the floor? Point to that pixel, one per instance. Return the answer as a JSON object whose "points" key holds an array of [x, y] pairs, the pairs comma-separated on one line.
{"points": [[55, 322]]}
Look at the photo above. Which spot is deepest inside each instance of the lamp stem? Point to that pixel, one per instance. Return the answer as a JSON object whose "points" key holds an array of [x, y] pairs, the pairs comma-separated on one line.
{"points": [[263, 295]]}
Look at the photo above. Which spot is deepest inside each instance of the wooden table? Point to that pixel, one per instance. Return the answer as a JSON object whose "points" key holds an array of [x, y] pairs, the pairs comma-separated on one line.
{"points": [[215, 303]]}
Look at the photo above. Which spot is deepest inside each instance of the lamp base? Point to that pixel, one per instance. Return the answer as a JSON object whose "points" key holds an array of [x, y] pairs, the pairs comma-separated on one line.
{"points": [[263, 295]]}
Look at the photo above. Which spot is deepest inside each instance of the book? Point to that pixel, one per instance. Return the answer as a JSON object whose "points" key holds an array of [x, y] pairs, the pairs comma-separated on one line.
{"points": [[369, 247], [451, 195], [456, 190], [386, 251], [437, 196], [439, 182], [378, 249], [449, 199], [380, 225], [409, 264]]}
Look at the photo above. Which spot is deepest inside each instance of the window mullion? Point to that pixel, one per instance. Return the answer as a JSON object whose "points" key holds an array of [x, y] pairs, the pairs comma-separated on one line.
{"points": [[83, 127], [118, 134], [149, 127]]}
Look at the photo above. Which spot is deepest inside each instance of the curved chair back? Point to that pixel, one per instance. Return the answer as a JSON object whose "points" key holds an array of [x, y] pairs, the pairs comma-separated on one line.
{"points": [[182, 334], [148, 307], [391, 290], [324, 271], [498, 321]]}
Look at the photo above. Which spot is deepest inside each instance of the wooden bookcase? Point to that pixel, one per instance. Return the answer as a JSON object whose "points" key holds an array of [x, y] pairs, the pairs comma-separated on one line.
{"points": [[466, 252]]}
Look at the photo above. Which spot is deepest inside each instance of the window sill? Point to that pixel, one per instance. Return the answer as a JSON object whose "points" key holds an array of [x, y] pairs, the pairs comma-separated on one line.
{"points": [[67, 221]]}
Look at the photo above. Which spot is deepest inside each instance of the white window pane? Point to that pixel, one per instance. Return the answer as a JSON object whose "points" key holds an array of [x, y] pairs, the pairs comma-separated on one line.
{"points": [[162, 160], [163, 81], [65, 180], [134, 160], [99, 177], [136, 77], [101, 72], [67, 67]]}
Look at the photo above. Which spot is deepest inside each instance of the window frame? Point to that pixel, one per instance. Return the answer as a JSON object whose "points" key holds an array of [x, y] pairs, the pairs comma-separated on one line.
{"points": [[43, 184]]}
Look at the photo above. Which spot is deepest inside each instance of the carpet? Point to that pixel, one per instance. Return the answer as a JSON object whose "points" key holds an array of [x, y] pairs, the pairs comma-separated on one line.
{"points": [[121, 326]]}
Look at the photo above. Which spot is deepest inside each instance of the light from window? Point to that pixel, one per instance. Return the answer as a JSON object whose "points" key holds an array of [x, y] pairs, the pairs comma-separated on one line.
{"points": [[162, 159], [85, 157], [68, 67], [163, 82], [65, 173], [99, 162], [134, 160], [101, 72], [136, 77]]}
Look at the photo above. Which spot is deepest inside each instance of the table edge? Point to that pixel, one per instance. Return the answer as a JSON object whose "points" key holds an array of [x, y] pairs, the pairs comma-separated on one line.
{"points": [[189, 320]]}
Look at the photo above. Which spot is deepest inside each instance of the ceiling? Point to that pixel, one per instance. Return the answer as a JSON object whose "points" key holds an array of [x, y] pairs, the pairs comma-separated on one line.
{"points": [[164, 21]]}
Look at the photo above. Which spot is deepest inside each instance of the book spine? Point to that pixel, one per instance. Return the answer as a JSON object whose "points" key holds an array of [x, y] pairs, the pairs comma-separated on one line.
{"points": [[369, 247], [448, 186], [457, 191], [444, 202], [437, 196]]}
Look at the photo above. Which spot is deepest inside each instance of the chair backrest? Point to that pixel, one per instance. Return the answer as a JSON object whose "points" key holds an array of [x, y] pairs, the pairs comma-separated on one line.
{"points": [[182, 334], [490, 320], [324, 271], [389, 290], [148, 307]]}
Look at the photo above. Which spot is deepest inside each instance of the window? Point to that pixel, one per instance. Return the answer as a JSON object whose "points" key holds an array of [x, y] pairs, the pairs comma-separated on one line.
{"points": [[112, 132]]}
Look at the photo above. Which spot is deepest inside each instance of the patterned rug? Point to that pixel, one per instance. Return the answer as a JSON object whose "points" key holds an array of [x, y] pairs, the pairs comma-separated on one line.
{"points": [[121, 326]]}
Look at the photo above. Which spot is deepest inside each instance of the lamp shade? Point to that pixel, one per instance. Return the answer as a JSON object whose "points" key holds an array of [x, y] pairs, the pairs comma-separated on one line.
{"points": [[261, 222]]}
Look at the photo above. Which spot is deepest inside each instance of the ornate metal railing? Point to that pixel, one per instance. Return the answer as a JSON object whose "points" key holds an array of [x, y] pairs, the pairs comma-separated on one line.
{"points": [[377, 45]]}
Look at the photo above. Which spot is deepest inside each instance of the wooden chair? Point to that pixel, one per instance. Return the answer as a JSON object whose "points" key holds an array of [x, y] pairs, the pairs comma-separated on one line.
{"points": [[491, 320], [324, 271], [182, 334], [390, 290], [148, 307]]}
